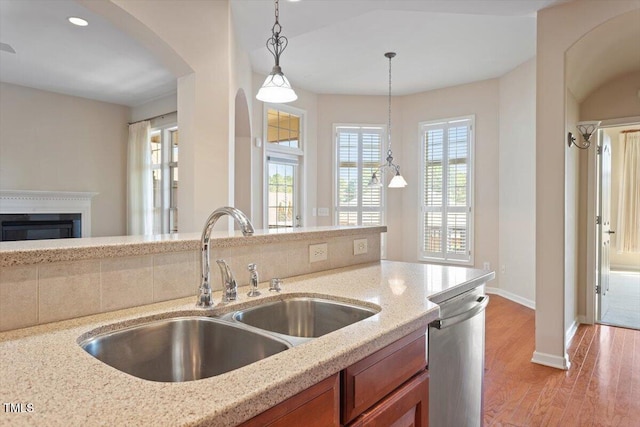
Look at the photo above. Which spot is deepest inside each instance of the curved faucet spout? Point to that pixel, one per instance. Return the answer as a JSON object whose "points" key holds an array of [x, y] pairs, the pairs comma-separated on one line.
{"points": [[204, 298]]}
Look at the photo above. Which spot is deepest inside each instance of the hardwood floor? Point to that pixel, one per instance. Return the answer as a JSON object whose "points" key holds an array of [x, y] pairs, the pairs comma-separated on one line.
{"points": [[602, 388]]}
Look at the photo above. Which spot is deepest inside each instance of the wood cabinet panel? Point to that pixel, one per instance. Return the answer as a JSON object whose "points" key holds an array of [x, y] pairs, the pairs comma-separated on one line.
{"points": [[317, 406], [408, 406], [369, 380]]}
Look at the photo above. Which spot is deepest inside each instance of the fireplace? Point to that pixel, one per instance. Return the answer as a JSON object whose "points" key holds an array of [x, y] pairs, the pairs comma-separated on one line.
{"points": [[35, 215], [39, 226]]}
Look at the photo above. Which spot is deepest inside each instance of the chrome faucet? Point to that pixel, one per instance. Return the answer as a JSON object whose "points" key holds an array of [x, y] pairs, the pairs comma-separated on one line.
{"points": [[230, 291], [204, 298]]}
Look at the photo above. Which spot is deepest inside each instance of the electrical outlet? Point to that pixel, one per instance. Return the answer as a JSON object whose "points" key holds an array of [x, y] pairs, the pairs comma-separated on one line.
{"points": [[503, 269], [318, 252], [360, 246], [486, 265]]}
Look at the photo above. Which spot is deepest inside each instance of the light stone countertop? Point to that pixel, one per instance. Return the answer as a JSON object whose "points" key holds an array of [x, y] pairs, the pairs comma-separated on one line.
{"points": [[45, 366], [61, 250]]}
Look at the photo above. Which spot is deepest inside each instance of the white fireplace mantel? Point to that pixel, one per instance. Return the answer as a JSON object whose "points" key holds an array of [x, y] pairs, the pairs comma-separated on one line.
{"points": [[27, 201]]}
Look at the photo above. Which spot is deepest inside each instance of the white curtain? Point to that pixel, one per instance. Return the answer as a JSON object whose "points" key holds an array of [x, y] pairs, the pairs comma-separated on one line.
{"points": [[628, 233], [139, 180]]}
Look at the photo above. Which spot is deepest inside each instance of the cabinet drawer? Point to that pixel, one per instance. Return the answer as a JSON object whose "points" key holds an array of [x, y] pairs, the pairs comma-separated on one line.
{"points": [[407, 406], [317, 406], [366, 382]]}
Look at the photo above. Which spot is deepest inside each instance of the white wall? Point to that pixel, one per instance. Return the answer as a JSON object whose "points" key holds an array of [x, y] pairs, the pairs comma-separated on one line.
{"points": [[572, 206], [58, 142], [516, 268], [558, 28]]}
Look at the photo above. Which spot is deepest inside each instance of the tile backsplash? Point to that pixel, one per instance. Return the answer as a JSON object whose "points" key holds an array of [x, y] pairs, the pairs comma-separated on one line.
{"points": [[42, 293]]}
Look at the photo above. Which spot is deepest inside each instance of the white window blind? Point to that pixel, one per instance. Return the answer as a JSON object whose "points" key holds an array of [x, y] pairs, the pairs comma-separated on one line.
{"points": [[447, 214], [358, 154]]}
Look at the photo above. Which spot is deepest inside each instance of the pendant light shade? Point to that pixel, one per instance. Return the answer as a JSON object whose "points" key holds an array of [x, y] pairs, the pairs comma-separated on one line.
{"points": [[276, 87], [397, 181]]}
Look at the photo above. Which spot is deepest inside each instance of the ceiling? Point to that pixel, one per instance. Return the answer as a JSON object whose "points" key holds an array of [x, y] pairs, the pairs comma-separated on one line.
{"points": [[97, 62], [338, 46], [334, 46]]}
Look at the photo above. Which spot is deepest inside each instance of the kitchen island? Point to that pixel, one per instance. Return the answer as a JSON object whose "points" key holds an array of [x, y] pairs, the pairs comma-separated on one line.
{"points": [[55, 382]]}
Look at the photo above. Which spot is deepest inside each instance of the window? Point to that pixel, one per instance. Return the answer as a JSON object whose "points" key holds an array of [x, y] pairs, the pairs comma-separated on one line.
{"points": [[164, 167], [447, 190], [283, 128], [283, 166], [358, 152]]}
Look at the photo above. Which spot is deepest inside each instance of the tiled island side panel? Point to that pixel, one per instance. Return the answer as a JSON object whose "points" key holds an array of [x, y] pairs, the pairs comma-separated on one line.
{"points": [[41, 293]]}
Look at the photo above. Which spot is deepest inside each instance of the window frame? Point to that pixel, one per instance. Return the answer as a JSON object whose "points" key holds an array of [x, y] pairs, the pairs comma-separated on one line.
{"points": [[383, 148], [284, 152], [470, 208], [166, 167]]}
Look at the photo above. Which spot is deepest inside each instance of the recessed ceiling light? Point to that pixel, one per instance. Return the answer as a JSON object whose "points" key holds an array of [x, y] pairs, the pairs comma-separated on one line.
{"points": [[78, 21]]}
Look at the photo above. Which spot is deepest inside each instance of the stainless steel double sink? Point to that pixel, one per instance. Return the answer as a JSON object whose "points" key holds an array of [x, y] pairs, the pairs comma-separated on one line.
{"points": [[195, 347]]}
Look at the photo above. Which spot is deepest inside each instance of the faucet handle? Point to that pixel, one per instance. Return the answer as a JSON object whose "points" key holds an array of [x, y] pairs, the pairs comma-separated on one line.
{"points": [[230, 291]]}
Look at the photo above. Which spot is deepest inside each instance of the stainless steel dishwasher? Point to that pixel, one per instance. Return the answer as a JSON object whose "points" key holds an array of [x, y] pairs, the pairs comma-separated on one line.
{"points": [[456, 361]]}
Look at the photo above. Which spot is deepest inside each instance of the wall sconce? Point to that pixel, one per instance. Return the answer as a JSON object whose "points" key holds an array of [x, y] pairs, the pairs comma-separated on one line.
{"points": [[586, 129]]}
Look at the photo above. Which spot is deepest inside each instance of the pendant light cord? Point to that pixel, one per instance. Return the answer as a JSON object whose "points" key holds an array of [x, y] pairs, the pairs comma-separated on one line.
{"points": [[389, 55], [389, 122], [276, 44]]}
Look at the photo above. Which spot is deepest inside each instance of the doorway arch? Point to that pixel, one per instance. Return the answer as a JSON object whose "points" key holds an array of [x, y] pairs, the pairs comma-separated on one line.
{"points": [[600, 57]]}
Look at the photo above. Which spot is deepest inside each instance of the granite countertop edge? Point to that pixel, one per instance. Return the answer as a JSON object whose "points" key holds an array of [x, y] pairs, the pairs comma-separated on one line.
{"points": [[63, 250]]}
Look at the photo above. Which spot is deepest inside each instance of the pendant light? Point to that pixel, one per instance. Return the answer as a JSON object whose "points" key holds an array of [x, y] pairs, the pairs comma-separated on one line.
{"points": [[397, 181], [276, 88]]}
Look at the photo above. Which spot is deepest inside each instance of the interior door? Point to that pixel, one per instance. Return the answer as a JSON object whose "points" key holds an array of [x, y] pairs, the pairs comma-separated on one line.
{"points": [[605, 224]]}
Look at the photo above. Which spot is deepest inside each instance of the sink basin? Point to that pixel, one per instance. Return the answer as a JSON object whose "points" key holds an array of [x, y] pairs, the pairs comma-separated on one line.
{"points": [[303, 317], [182, 349]]}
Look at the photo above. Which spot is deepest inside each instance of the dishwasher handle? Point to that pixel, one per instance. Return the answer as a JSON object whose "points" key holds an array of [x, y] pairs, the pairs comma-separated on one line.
{"points": [[453, 320]]}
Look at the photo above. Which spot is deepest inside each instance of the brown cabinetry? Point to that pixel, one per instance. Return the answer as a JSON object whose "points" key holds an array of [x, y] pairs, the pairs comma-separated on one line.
{"points": [[387, 388], [369, 380], [317, 406], [407, 406]]}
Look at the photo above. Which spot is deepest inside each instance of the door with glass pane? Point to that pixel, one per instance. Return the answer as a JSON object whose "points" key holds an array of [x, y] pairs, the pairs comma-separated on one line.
{"points": [[604, 227], [447, 191], [282, 193]]}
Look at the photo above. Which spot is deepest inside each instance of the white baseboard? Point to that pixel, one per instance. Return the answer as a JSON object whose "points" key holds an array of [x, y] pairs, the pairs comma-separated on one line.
{"points": [[570, 333], [512, 297], [551, 360]]}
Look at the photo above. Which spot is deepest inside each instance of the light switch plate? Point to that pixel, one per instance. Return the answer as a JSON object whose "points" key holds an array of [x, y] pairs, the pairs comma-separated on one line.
{"points": [[360, 246], [323, 211], [318, 252]]}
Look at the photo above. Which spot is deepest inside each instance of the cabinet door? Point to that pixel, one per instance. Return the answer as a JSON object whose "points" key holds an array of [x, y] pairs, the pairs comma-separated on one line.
{"points": [[407, 406], [317, 406], [366, 382]]}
